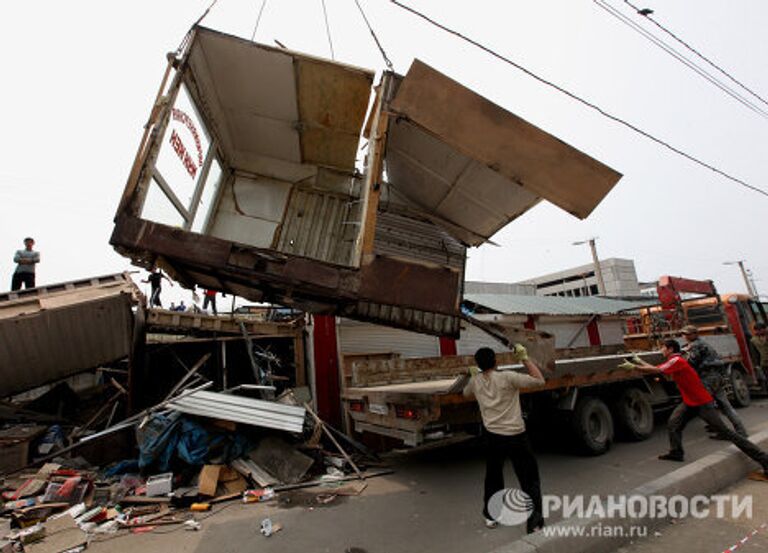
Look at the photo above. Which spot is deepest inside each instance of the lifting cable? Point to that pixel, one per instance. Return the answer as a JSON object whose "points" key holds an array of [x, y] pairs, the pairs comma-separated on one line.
{"points": [[188, 36], [327, 29], [375, 38], [586, 103], [258, 19]]}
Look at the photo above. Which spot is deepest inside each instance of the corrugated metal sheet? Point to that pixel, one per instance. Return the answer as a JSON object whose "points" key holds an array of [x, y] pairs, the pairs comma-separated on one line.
{"points": [[357, 337], [245, 410], [555, 305], [403, 317], [49, 337], [315, 226], [401, 236]]}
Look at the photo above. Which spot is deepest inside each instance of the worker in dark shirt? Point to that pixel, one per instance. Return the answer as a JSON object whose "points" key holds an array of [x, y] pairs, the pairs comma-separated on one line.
{"points": [[155, 280], [697, 402], [713, 373]]}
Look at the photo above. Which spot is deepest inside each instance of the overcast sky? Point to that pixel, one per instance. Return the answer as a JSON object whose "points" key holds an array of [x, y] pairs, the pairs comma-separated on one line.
{"points": [[79, 78]]}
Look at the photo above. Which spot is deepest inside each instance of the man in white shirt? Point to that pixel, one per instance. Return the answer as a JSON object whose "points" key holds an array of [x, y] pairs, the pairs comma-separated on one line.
{"points": [[26, 260], [498, 395]]}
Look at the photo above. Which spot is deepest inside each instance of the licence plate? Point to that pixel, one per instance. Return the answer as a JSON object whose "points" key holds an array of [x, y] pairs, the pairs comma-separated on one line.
{"points": [[378, 408]]}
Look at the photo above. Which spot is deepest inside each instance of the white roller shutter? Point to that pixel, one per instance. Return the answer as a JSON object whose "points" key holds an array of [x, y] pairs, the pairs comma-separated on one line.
{"points": [[357, 337]]}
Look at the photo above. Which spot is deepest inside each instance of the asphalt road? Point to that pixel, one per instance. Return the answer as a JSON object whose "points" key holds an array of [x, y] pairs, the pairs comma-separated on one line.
{"points": [[431, 503]]}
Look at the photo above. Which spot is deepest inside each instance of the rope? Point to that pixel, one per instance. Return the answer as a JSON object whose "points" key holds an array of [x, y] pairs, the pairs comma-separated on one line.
{"points": [[375, 38], [328, 29], [258, 19]]}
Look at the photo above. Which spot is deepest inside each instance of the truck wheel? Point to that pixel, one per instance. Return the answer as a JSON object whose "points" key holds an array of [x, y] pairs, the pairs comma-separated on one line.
{"points": [[739, 387], [633, 414], [592, 425]]}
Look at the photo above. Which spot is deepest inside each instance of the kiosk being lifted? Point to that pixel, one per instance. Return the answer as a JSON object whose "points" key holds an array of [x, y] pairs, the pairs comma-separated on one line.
{"points": [[247, 182]]}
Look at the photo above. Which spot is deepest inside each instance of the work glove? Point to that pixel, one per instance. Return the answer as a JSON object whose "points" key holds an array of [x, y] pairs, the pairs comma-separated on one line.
{"points": [[636, 360], [472, 371], [520, 353], [627, 366]]}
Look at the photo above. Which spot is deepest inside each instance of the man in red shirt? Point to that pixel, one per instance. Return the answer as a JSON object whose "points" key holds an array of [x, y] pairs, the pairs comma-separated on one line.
{"points": [[697, 402]]}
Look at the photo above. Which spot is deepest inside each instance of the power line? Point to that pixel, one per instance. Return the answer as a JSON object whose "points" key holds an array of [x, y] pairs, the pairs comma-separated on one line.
{"points": [[258, 19], [696, 52], [682, 59], [328, 29], [587, 103], [375, 38]]}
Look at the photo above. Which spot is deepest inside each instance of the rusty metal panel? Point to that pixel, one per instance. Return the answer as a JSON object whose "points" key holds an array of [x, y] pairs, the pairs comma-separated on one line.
{"points": [[403, 317], [60, 331], [464, 140], [314, 226], [332, 102]]}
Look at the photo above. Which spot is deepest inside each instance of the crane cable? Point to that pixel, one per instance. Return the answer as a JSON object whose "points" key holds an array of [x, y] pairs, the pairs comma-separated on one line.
{"points": [[582, 101], [375, 38], [328, 30], [258, 19]]}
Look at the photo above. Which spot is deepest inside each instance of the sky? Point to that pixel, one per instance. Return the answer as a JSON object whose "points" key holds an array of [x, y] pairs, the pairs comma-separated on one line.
{"points": [[79, 79]]}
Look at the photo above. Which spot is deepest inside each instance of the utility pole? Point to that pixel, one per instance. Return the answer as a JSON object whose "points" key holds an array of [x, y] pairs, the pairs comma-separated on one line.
{"points": [[750, 288], [596, 262]]}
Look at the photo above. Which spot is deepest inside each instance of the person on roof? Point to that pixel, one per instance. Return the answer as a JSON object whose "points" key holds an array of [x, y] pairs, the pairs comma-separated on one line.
{"points": [[25, 260], [498, 395], [696, 402]]}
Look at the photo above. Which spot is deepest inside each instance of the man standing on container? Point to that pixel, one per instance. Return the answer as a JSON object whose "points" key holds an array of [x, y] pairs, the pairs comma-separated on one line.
{"points": [[712, 371], [26, 260], [155, 280], [498, 395]]}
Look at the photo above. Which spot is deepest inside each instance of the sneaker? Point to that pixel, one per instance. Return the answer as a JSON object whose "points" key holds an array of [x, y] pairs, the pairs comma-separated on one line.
{"points": [[490, 523], [671, 456]]}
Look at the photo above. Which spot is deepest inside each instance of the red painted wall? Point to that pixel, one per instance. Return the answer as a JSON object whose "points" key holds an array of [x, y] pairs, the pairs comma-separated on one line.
{"points": [[447, 346], [327, 369], [594, 333]]}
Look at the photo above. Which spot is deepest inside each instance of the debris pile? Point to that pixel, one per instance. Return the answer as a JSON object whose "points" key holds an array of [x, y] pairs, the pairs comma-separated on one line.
{"points": [[193, 451]]}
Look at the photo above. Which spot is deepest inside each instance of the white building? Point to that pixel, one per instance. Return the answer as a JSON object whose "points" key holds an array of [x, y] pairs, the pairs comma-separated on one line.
{"points": [[619, 276]]}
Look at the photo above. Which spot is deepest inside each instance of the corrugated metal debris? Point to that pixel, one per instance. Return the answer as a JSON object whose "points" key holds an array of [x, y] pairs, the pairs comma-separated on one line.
{"points": [[52, 332], [255, 412]]}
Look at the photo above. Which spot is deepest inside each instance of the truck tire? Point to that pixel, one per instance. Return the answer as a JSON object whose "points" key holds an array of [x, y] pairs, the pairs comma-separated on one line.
{"points": [[633, 415], [592, 426], [739, 387]]}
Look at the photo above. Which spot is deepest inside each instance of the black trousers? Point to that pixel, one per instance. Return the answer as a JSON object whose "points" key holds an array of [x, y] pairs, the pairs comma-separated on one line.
{"points": [[683, 414], [517, 448], [28, 279], [212, 300], [714, 382], [154, 299]]}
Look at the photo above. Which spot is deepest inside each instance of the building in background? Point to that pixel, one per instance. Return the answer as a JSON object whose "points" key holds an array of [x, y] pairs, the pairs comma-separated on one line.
{"points": [[619, 276]]}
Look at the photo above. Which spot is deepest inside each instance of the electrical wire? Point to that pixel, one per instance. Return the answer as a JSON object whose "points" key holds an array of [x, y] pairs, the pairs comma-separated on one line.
{"points": [[258, 19], [697, 53], [582, 101], [375, 38], [682, 59], [328, 29]]}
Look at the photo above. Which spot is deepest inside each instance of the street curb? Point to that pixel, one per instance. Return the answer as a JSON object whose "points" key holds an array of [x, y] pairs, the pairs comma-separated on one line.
{"points": [[706, 476]]}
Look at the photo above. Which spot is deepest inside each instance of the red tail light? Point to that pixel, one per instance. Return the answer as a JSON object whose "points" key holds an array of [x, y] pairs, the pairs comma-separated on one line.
{"points": [[404, 412]]}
